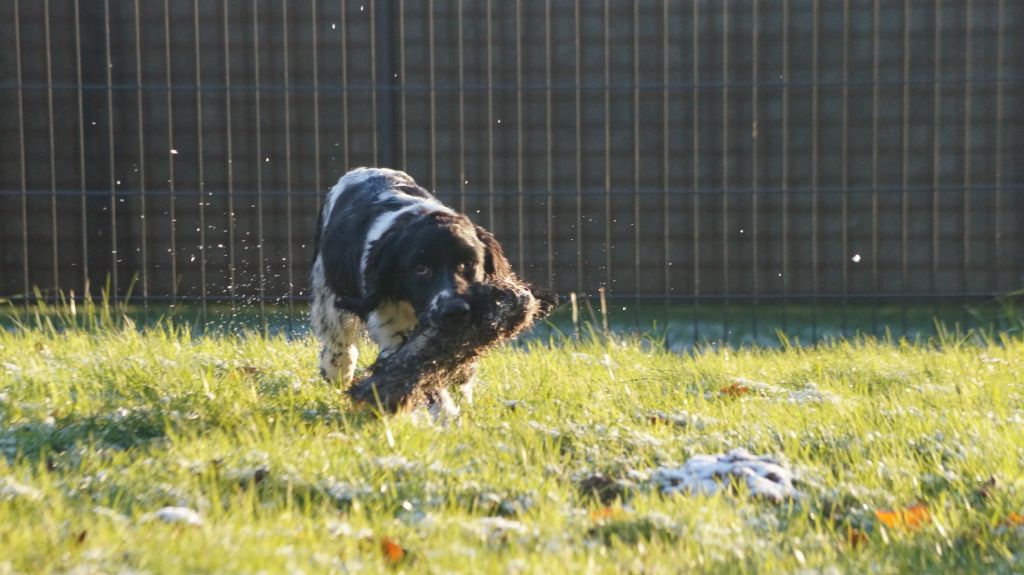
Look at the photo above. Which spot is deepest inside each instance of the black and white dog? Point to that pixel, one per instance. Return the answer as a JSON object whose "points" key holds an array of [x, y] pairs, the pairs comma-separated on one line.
{"points": [[387, 251]]}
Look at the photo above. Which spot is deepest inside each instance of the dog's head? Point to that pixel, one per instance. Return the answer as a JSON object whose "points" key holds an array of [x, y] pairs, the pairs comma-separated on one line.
{"points": [[433, 261]]}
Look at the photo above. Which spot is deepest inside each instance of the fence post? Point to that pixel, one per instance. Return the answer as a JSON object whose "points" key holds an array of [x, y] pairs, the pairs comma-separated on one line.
{"points": [[384, 87]]}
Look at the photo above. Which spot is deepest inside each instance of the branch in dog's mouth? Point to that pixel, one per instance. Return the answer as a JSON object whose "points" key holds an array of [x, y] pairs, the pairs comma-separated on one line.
{"points": [[441, 350]]}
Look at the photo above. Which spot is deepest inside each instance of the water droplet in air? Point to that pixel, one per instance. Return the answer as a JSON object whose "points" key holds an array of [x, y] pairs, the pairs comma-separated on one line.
{"points": [[855, 258]]}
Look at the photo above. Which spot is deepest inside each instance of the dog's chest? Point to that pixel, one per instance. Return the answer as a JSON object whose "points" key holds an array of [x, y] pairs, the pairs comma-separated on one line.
{"points": [[389, 323]]}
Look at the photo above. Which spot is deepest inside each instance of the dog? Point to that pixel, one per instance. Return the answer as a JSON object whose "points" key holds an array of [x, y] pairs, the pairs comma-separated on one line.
{"points": [[387, 253]]}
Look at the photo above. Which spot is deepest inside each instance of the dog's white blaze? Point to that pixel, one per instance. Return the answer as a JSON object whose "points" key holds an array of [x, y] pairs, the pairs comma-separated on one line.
{"points": [[441, 295], [384, 222]]}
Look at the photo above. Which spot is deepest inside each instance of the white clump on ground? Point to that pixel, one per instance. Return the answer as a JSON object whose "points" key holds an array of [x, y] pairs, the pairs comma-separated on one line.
{"points": [[764, 475], [178, 515], [11, 490], [496, 527], [809, 393]]}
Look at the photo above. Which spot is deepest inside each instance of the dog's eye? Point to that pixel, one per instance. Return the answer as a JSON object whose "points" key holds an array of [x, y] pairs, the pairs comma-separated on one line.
{"points": [[421, 270]]}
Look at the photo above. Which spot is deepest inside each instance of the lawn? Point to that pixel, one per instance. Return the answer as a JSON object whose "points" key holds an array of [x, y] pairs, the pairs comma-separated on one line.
{"points": [[156, 450]]}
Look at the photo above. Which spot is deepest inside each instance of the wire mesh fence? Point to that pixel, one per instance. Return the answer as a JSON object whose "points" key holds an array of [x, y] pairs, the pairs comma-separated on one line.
{"points": [[764, 154]]}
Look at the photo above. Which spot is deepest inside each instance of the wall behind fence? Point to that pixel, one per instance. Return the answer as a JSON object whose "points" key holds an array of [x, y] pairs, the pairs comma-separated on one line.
{"points": [[662, 149]]}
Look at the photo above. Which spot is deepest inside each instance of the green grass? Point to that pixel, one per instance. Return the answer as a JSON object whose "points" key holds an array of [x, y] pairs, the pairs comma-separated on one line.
{"points": [[101, 425]]}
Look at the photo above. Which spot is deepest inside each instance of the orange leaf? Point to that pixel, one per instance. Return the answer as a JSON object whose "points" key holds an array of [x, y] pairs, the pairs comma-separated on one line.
{"points": [[910, 518], [603, 514], [1014, 520], [856, 537], [393, 552], [735, 390]]}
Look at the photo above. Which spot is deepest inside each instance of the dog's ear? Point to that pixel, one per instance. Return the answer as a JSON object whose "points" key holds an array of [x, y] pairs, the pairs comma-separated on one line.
{"points": [[495, 262]]}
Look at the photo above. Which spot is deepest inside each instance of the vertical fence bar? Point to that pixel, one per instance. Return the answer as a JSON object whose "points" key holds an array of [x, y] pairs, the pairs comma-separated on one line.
{"points": [[143, 224], [462, 113], [200, 167], [288, 164], [519, 135], [936, 146], [968, 101], [171, 151], [83, 205], [755, 167], [375, 127], [785, 165], [815, 170], [998, 219], [344, 83], [229, 137], [314, 21], [579, 151], [905, 170], [260, 240], [845, 164], [607, 154], [725, 172], [665, 147], [875, 214], [490, 119], [383, 90], [550, 143], [401, 82], [433, 96], [110, 161], [53, 167], [21, 153], [636, 163], [696, 170]]}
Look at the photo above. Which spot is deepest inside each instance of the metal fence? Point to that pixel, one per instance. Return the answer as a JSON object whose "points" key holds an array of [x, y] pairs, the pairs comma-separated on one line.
{"points": [[695, 150]]}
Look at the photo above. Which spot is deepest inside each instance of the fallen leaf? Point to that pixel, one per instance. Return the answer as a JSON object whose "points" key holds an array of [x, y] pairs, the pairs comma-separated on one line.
{"points": [[910, 518], [393, 552], [603, 514], [1014, 519], [734, 390], [856, 537]]}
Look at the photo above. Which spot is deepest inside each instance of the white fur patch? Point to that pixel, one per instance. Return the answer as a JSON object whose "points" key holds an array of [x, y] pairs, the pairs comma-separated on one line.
{"points": [[336, 330], [389, 323], [437, 299]]}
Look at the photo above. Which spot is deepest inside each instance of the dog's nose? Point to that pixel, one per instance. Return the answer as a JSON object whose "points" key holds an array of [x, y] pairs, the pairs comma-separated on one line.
{"points": [[454, 307]]}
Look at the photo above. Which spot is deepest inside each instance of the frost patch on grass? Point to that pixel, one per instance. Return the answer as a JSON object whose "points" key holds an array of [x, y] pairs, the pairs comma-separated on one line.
{"points": [[708, 474], [11, 490], [497, 528], [810, 393], [345, 529], [345, 493], [395, 463], [177, 515], [677, 419]]}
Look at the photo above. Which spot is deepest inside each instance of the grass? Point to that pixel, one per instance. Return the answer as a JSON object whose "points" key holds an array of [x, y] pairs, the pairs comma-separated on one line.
{"points": [[103, 424]]}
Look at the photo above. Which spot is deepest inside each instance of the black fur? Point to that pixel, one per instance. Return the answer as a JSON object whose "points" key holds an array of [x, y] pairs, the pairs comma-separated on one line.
{"points": [[455, 252]]}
